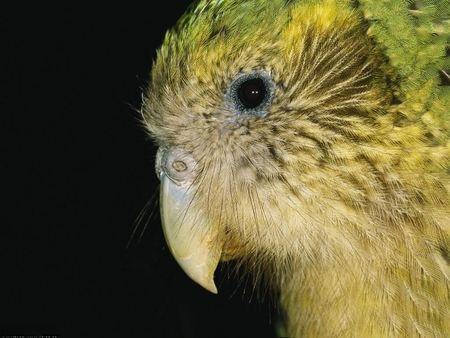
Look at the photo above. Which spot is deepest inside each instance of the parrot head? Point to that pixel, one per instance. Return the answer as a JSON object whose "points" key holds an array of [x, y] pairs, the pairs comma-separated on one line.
{"points": [[257, 110]]}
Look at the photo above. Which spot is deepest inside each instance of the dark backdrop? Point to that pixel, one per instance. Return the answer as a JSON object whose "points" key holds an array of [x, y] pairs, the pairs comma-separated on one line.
{"points": [[76, 173]]}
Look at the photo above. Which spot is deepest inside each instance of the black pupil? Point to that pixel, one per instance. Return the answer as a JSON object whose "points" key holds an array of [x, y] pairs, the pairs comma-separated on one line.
{"points": [[252, 93]]}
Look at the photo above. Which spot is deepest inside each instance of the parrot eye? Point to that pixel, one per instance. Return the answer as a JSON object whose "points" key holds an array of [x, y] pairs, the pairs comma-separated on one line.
{"points": [[251, 93]]}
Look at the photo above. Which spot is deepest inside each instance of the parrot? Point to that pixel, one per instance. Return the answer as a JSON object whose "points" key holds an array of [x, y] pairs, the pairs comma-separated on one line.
{"points": [[308, 142]]}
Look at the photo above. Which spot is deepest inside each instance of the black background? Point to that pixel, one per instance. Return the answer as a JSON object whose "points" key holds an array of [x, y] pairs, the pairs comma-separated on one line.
{"points": [[76, 173]]}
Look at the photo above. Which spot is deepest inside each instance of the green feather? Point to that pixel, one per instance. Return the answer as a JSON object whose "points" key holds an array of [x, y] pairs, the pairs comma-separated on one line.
{"points": [[415, 36]]}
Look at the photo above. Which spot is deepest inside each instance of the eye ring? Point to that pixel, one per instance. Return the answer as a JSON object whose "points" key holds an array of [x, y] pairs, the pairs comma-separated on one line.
{"points": [[250, 94]]}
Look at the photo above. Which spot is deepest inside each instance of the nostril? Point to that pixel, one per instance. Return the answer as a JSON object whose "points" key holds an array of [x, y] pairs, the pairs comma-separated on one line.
{"points": [[177, 164]]}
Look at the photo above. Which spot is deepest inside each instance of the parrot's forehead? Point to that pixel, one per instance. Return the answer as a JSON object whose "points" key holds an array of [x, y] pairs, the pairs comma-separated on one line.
{"points": [[225, 35], [216, 41]]}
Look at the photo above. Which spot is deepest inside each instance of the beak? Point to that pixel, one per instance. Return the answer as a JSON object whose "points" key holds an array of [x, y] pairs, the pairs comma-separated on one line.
{"points": [[193, 243]]}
